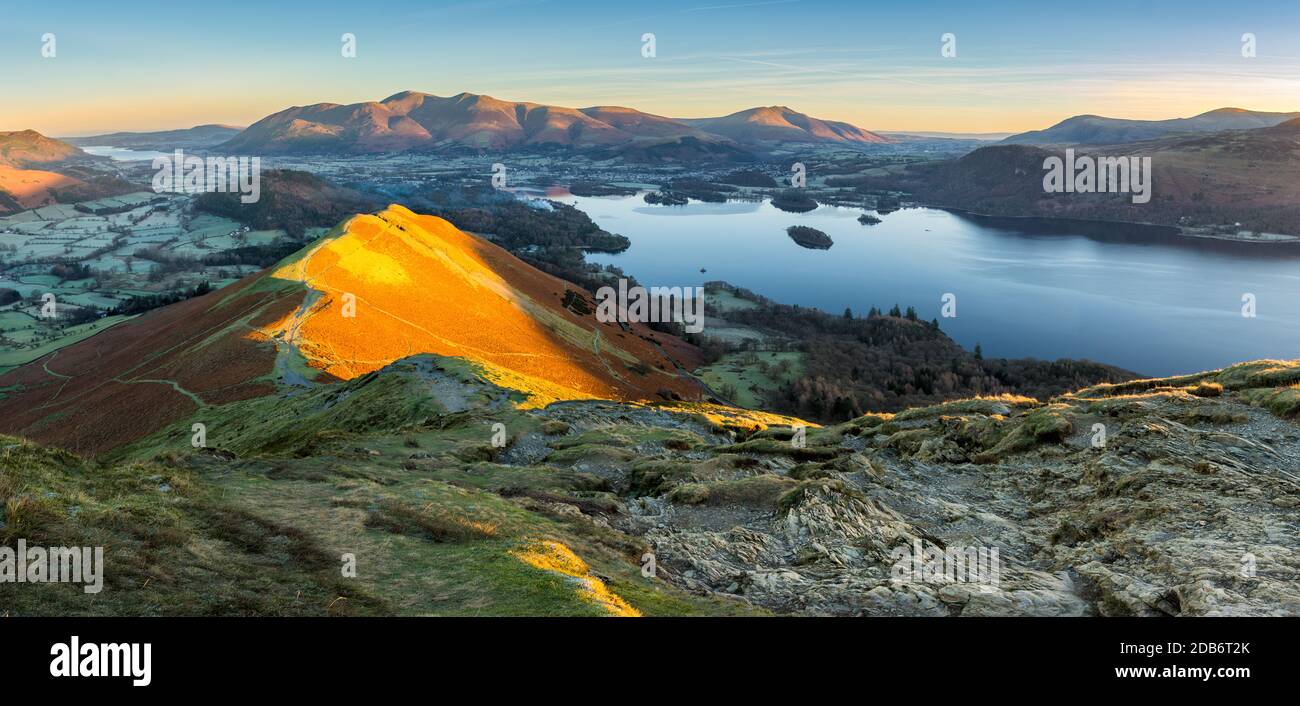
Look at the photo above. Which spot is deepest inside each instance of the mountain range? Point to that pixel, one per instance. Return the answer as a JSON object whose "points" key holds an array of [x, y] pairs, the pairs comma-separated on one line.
{"points": [[1098, 130], [199, 136], [419, 121], [412, 120]]}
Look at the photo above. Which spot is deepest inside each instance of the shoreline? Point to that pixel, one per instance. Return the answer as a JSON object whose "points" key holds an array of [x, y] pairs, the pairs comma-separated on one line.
{"points": [[1261, 239], [1264, 239]]}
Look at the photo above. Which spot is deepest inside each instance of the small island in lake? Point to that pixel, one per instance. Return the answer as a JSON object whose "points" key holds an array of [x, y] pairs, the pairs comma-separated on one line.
{"points": [[867, 219], [809, 237], [700, 190], [794, 201], [665, 198]]}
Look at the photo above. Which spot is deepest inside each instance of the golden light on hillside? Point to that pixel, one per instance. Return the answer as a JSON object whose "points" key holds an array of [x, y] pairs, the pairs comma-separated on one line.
{"points": [[30, 187], [549, 555], [723, 415], [398, 284]]}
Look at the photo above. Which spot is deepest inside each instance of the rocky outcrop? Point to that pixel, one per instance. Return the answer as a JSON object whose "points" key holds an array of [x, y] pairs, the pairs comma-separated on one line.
{"points": [[1158, 497]]}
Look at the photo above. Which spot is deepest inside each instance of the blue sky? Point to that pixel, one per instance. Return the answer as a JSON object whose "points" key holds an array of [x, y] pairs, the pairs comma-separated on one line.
{"points": [[1019, 65]]}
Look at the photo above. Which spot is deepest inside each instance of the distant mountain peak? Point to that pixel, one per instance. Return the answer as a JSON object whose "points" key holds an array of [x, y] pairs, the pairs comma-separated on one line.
{"points": [[779, 123], [400, 95], [197, 137], [23, 147]]}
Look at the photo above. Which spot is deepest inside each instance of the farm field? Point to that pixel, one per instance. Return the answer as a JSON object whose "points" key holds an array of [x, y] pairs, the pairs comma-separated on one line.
{"points": [[12, 356], [746, 377], [100, 259]]}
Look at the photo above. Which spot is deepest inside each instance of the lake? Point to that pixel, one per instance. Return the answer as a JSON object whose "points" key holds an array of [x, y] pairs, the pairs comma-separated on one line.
{"points": [[122, 154], [1140, 298]]}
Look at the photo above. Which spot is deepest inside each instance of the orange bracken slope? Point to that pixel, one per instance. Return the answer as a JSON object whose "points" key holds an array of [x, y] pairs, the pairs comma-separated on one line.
{"points": [[135, 378], [398, 283]]}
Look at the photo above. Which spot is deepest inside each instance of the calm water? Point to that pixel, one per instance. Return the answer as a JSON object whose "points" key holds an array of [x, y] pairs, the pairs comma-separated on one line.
{"points": [[1144, 300], [121, 154]]}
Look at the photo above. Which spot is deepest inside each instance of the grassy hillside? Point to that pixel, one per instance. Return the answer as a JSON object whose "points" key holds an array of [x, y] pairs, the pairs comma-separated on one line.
{"points": [[258, 523], [399, 470]]}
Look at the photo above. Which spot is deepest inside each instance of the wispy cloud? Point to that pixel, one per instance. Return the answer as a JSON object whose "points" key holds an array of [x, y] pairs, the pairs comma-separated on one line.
{"points": [[687, 10]]}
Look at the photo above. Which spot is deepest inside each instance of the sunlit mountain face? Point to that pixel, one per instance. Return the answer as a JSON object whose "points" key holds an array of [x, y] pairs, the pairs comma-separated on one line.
{"points": [[427, 287]]}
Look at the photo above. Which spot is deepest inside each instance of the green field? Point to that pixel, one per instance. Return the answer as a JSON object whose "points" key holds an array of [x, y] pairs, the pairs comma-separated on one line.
{"points": [[721, 300], [13, 358], [127, 255], [752, 374], [10, 320]]}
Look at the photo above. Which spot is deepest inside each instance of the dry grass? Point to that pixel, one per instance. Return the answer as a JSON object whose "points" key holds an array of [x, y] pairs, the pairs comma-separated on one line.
{"points": [[430, 521]]}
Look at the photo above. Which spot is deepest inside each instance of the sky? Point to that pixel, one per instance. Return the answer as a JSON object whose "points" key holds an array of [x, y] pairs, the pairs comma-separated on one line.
{"points": [[1018, 65]]}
